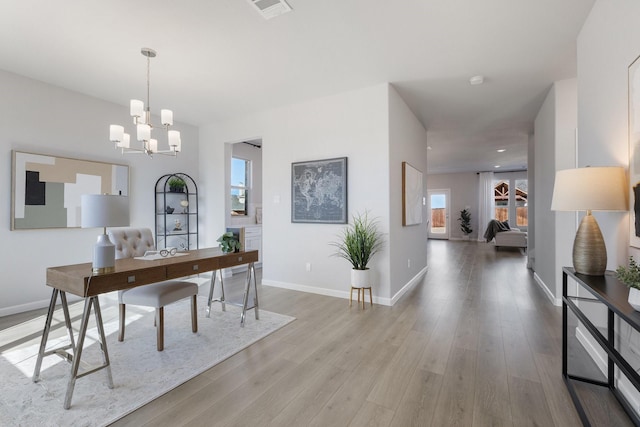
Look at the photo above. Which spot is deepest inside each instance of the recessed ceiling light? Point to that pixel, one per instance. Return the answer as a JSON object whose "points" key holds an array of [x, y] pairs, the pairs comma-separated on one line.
{"points": [[476, 80], [496, 166], [428, 147], [501, 150]]}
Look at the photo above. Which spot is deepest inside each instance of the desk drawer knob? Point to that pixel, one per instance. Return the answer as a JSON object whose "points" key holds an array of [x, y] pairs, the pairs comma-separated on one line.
{"points": [[239, 258], [195, 267], [131, 279]]}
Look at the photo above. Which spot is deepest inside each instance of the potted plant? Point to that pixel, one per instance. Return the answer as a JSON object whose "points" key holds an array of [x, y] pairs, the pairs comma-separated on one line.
{"points": [[630, 276], [176, 185], [229, 242], [465, 223], [359, 242]]}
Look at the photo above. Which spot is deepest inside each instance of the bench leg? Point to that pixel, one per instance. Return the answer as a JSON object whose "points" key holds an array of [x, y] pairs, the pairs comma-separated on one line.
{"points": [[194, 311], [160, 328]]}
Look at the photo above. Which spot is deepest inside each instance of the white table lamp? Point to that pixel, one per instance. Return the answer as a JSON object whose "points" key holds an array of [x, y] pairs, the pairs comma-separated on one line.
{"points": [[590, 189], [103, 210]]}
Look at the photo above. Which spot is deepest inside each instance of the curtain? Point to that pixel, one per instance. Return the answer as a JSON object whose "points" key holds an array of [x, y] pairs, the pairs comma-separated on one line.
{"points": [[486, 202]]}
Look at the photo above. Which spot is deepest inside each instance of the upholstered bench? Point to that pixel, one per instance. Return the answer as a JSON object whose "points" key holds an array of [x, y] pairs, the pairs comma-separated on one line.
{"points": [[512, 238], [134, 242]]}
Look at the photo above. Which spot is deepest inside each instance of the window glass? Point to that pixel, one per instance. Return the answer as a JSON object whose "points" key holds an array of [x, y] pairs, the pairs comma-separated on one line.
{"points": [[239, 185], [522, 210], [501, 195]]}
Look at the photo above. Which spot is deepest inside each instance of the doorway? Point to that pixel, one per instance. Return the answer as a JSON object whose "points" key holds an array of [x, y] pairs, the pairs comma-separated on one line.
{"points": [[439, 225]]}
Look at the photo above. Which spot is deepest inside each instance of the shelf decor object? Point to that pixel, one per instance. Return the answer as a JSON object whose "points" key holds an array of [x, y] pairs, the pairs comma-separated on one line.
{"points": [[103, 210], [590, 189], [142, 121]]}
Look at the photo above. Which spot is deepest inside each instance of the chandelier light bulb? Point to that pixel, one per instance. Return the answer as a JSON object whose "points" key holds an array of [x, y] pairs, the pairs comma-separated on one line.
{"points": [[126, 141], [137, 108], [166, 117], [116, 133], [144, 132]]}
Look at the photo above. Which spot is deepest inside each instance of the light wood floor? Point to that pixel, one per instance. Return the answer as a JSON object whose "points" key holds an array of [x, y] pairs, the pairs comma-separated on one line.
{"points": [[475, 344]]}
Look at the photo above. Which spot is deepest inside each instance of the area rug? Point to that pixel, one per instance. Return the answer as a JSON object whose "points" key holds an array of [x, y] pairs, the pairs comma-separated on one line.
{"points": [[140, 373]]}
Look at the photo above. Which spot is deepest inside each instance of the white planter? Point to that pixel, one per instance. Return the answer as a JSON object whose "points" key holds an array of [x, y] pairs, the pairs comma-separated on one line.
{"points": [[360, 278], [634, 298]]}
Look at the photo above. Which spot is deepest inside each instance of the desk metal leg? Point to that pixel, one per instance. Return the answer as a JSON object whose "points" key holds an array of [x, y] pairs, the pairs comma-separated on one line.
{"points": [[78, 349], [61, 351], [255, 290], [251, 272], [103, 342], [211, 287], [67, 318], [45, 335]]}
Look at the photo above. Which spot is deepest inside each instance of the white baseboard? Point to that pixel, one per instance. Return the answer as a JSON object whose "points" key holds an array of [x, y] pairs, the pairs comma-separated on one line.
{"points": [[344, 294], [15, 309], [555, 301], [409, 284]]}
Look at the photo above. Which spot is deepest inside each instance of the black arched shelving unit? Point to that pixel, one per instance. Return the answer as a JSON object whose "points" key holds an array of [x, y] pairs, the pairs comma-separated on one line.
{"points": [[176, 212]]}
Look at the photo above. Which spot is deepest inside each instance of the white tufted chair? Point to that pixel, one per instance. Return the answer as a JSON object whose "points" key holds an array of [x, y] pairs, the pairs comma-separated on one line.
{"points": [[134, 242]]}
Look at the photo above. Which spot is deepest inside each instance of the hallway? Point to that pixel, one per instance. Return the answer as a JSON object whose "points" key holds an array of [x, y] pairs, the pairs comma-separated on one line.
{"points": [[475, 344]]}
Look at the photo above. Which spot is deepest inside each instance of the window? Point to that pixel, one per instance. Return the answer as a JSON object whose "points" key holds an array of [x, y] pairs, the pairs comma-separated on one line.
{"points": [[522, 213], [239, 185], [501, 195]]}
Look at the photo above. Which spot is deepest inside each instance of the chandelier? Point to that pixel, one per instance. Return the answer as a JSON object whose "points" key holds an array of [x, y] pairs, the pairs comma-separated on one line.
{"points": [[142, 121]]}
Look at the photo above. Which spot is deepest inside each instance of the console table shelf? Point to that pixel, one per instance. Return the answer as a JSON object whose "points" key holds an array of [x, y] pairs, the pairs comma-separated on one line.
{"points": [[609, 291]]}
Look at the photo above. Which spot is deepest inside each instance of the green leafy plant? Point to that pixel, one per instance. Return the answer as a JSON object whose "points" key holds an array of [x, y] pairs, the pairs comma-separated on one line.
{"points": [[630, 275], [176, 184], [359, 241], [465, 221], [229, 243]]}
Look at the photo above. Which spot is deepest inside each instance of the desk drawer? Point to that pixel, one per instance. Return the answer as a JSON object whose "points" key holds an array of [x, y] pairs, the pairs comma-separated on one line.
{"points": [[239, 258], [191, 267], [125, 280]]}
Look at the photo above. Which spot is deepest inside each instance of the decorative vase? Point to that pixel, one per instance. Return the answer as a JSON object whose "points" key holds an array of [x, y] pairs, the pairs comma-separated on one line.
{"points": [[634, 298], [360, 278], [170, 210]]}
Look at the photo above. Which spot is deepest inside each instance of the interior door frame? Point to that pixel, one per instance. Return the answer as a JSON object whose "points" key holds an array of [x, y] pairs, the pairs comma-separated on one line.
{"points": [[447, 194]]}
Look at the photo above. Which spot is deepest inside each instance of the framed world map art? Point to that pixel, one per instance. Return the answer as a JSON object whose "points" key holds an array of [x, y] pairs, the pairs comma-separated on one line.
{"points": [[319, 191], [634, 153]]}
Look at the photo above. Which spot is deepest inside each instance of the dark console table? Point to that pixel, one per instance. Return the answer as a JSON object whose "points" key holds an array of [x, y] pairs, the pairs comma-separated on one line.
{"points": [[611, 292]]}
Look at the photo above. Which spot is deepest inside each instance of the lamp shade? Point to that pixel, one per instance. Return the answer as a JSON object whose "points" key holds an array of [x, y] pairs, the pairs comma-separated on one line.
{"points": [[103, 210], [591, 188]]}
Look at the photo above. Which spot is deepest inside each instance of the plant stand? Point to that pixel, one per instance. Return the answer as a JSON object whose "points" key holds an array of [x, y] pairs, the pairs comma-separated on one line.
{"points": [[363, 296]]}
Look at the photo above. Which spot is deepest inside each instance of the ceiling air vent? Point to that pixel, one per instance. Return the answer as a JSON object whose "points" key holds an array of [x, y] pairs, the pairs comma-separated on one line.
{"points": [[270, 8]]}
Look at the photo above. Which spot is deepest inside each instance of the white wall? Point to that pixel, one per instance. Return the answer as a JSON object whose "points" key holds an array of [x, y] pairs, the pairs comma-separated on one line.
{"points": [[608, 43], [39, 118], [464, 192], [407, 245], [555, 128], [353, 125]]}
